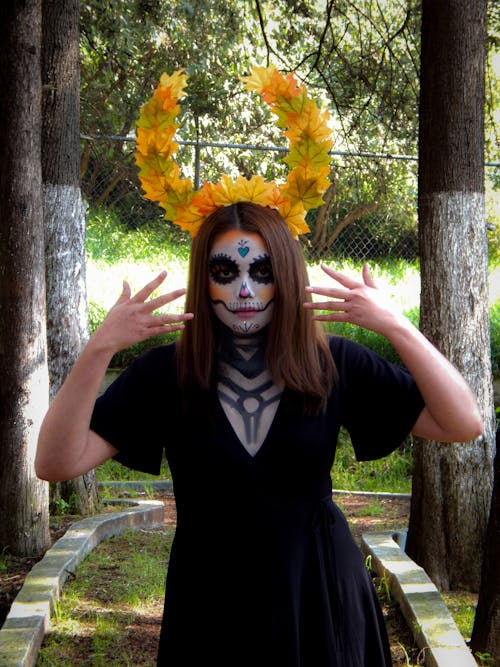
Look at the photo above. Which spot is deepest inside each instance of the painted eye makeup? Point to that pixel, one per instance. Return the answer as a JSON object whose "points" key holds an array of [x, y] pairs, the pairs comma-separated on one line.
{"points": [[223, 270], [261, 270]]}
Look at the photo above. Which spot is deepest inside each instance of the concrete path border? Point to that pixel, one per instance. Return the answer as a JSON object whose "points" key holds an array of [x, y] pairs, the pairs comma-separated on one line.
{"points": [[428, 618], [29, 617]]}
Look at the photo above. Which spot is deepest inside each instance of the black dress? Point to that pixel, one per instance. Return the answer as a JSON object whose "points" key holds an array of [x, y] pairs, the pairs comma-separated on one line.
{"points": [[263, 569]]}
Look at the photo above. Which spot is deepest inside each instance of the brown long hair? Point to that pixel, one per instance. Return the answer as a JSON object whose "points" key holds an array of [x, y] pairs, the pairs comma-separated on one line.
{"points": [[297, 351]]}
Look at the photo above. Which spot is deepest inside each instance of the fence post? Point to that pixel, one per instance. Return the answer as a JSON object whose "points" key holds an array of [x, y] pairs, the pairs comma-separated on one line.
{"points": [[197, 155]]}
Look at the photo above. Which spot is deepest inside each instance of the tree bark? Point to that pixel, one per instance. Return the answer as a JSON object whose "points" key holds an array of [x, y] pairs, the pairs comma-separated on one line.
{"points": [[486, 631], [24, 524], [64, 213], [452, 482]]}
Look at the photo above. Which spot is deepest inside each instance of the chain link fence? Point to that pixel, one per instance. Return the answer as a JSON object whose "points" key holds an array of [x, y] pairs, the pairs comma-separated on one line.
{"points": [[373, 214]]}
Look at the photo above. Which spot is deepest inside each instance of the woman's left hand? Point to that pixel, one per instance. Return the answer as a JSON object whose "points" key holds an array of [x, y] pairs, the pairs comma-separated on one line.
{"points": [[451, 412], [355, 301]]}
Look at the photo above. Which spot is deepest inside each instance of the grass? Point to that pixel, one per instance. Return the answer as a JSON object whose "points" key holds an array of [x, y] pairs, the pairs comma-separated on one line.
{"points": [[390, 474], [116, 593], [462, 606]]}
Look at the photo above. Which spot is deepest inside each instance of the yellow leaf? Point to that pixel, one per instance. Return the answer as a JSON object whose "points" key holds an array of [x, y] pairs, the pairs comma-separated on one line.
{"points": [[172, 87], [309, 152], [159, 142], [308, 190], [259, 78], [295, 217]]}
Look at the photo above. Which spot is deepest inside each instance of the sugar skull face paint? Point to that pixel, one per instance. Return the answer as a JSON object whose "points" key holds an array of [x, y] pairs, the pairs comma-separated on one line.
{"points": [[241, 282]]}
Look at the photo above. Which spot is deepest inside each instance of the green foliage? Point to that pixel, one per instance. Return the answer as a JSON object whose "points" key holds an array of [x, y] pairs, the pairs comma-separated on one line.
{"points": [[60, 506], [485, 659], [391, 474], [108, 239], [495, 337], [383, 588], [4, 560], [494, 229], [96, 315], [112, 471], [113, 248], [370, 339]]}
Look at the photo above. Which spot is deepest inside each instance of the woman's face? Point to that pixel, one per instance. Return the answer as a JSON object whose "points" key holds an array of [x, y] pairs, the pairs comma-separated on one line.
{"points": [[240, 281]]}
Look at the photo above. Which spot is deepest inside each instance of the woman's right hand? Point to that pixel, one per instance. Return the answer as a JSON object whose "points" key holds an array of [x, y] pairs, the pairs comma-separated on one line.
{"points": [[67, 448], [132, 318]]}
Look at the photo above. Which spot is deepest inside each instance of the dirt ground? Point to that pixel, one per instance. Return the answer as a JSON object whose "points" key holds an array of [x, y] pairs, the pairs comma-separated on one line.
{"points": [[363, 513]]}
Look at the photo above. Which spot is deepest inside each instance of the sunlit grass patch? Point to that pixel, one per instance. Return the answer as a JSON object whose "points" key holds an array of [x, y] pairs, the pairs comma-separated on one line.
{"points": [[462, 606], [390, 474], [117, 592]]}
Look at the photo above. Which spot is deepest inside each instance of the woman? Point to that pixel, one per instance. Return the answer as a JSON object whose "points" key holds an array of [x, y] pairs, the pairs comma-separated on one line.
{"points": [[247, 406]]}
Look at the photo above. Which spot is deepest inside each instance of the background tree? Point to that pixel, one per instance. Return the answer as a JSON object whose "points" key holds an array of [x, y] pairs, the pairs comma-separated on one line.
{"points": [[24, 528], [362, 57], [64, 213], [486, 630], [452, 482], [359, 60]]}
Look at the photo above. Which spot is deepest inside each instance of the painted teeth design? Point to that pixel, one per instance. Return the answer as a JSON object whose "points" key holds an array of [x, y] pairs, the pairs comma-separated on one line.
{"points": [[234, 306]]}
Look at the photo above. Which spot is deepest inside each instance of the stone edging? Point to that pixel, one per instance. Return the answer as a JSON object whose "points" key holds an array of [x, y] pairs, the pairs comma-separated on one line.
{"points": [[428, 618], [28, 620]]}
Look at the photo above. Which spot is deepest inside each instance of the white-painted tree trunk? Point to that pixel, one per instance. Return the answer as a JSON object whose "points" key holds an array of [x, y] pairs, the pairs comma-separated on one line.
{"points": [[64, 214], [452, 483]]}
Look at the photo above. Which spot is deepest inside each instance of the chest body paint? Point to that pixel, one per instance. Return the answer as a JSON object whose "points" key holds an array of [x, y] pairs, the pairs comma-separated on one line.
{"points": [[241, 289]]}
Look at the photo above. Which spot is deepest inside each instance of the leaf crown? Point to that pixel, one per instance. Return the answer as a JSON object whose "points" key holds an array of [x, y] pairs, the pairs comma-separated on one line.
{"points": [[302, 122]]}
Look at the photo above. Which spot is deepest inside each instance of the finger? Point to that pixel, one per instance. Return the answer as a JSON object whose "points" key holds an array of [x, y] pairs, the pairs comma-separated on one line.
{"points": [[126, 291], [367, 276], [333, 292], [148, 289], [326, 305], [164, 329], [331, 317], [162, 300], [173, 318], [341, 278]]}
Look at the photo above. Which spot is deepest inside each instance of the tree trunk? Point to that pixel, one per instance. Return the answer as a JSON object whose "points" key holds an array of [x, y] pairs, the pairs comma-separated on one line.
{"points": [[452, 482], [24, 524], [486, 631], [64, 212], [324, 211]]}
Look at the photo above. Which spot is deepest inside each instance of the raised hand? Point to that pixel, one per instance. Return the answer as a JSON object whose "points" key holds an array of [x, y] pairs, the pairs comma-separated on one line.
{"points": [[355, 301], [132, 319]]}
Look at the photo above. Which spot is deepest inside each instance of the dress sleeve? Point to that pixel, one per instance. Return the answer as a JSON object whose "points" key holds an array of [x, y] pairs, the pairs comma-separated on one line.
{"points": [[132, 413], [380, 401]]}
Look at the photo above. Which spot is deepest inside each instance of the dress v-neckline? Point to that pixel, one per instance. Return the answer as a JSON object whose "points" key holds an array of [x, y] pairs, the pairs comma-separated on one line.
{"points": [[235, 436]]}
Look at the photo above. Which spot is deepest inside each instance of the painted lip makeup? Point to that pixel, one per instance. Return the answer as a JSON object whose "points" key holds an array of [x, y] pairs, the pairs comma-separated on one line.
{"points": [[246, 312]]}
